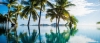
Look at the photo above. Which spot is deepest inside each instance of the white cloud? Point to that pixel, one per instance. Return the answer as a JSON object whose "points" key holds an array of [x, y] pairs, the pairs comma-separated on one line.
{"points": [[81, 39], [81, 8]]}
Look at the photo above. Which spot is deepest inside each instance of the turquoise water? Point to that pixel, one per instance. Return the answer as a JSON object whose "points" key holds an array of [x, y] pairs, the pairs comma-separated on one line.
{"points": [[50, 34]]}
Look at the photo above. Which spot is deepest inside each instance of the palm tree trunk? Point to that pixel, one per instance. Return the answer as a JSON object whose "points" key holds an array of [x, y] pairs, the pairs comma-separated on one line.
{"points": [[7, 21], [16, 19], [58, 20], [40, 21], [8, 18], [70, 23], [40, 14], [29, 20], [39, 35], [56, 24], [29, 30]]}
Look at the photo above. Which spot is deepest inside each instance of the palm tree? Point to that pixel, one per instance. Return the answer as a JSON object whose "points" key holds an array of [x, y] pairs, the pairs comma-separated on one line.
{"points": [[58, 11], [17, 11], [61, 9], [42, 5], [51, 12], [73, 21], [30, 8], [9, 4]]}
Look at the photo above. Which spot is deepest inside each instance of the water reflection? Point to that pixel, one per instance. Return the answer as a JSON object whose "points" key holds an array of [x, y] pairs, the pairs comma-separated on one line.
{"points": [[28, 39], [34, 36], [49, 34], [12, 36], [23, 37], [2, 30], [73, 31], [59, 37], [98, 27]]}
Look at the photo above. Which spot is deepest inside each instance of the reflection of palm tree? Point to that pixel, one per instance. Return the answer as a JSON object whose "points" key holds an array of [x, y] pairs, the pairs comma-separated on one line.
{"points": [[58, 37], [12, 35], [2, 18], [73, 31], [30, 8], [39, 34], [29, 30], [28, 39], [2, 30]]}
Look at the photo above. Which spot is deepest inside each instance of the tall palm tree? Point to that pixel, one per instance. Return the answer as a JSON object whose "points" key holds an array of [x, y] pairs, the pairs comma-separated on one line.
{"points": [[51, 12], [42, 6], [59, 10], [30, 9], [17, 11], [9, 4]]}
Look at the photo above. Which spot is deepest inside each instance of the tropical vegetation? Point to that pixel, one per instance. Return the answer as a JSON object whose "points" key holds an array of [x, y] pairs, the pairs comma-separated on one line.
{"points": [[30, 9], [98, 22]]}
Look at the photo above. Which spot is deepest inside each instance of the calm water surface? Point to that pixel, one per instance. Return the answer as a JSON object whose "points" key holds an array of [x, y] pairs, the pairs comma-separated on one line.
{"points": [[50, 34]]}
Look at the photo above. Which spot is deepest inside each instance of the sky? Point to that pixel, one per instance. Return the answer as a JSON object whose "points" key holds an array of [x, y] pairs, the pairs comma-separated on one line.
{"points": [[86, 11]]}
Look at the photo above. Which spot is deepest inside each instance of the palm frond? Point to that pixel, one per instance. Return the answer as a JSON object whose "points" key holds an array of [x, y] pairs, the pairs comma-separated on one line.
{"points": [[34, 15], [50, 4], [24, 2]]}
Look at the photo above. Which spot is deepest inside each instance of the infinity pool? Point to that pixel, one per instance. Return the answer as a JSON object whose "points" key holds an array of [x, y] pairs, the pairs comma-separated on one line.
{"points": [[50, 34]]}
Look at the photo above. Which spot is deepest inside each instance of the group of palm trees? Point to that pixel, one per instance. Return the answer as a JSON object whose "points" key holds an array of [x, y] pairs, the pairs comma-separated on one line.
{"points": [[30, 8]]}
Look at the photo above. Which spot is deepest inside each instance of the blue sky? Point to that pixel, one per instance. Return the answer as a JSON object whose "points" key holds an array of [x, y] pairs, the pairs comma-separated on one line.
{"points": [[86, 11]]}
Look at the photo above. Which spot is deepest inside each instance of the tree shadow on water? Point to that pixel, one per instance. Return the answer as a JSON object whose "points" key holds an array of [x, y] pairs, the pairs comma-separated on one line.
{"points": [[31, 38], [60, 37]]}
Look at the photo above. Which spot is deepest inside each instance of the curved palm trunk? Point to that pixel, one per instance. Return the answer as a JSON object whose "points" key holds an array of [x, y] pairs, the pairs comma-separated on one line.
{"points": [[70, 23], [16, 19], [40, 14], [39, 22], [29, 20]]}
